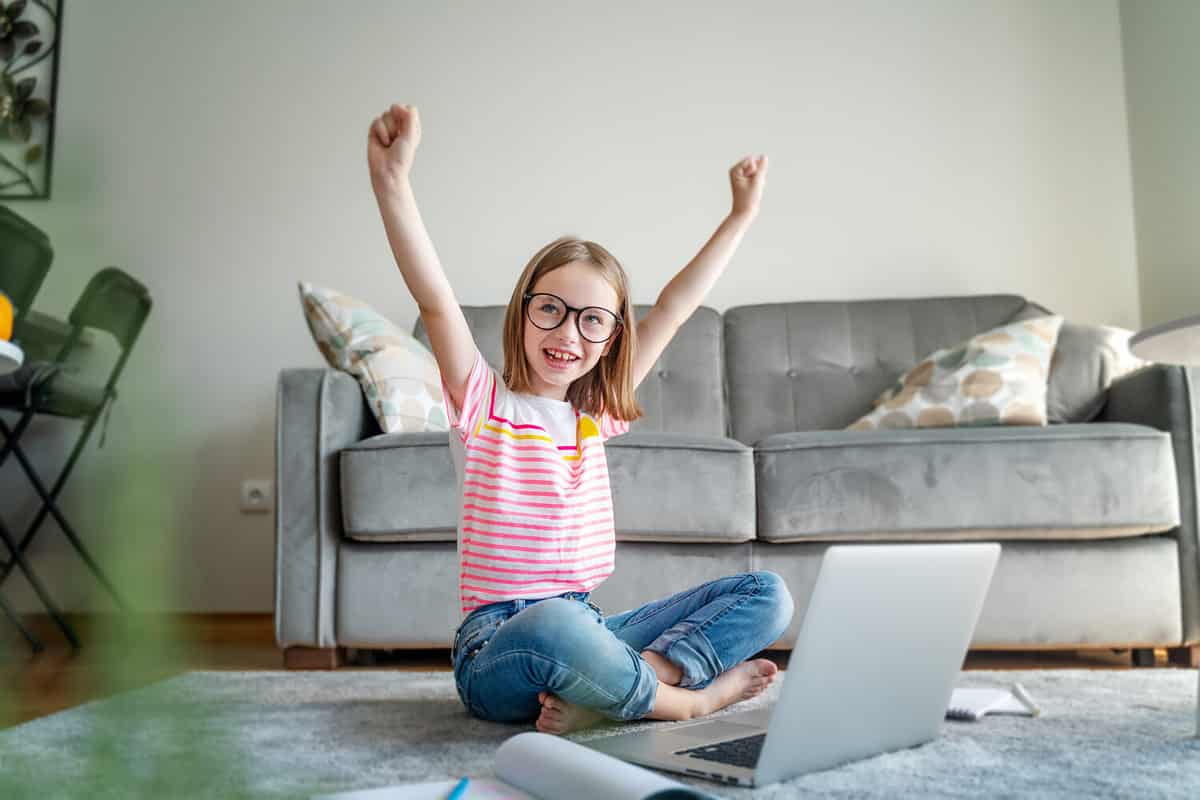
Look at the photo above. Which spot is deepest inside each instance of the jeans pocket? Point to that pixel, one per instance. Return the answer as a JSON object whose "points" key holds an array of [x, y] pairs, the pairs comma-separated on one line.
{"points": [[473, 634], [471, 639]]}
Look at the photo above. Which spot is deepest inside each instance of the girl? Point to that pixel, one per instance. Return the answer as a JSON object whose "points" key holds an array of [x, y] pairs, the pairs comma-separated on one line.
{"points": [[535, 532]]}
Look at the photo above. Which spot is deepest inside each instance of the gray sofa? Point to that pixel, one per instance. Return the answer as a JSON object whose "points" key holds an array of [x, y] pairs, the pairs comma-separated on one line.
{"points": [[742, 462]]}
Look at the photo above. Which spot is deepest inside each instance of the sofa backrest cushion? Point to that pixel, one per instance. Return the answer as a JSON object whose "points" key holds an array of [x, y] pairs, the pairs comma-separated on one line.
{"points": [[485, 323], [683, 393], [818, 365]]}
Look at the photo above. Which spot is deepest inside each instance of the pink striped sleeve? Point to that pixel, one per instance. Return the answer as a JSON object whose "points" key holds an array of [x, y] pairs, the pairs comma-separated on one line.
{"points": [[611, 426], [476, 395]]}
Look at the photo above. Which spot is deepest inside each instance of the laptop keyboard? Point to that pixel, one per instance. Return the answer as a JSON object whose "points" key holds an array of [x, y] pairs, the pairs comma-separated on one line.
{"points": [[738, 752]]}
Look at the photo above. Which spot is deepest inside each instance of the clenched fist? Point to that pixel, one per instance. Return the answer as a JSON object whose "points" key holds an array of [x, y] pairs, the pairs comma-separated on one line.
{"points": [[392, 145], [747, 179]]}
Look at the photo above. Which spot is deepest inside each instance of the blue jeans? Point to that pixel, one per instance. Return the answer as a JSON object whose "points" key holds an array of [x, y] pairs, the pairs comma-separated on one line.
{"points": [[505, 653]]}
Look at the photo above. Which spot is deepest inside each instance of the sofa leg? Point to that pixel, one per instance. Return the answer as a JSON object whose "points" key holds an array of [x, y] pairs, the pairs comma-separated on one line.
{"points": [[314, 657], [1186, 656], [1143, 656]]}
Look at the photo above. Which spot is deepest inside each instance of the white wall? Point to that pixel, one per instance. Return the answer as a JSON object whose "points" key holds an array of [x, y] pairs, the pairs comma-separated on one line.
{"points": [[1161, 64], [217, 151]]}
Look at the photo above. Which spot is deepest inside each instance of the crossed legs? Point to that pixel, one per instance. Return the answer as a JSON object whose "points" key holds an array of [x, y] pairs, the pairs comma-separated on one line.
{"points": [[742, 682], [713, 624]]}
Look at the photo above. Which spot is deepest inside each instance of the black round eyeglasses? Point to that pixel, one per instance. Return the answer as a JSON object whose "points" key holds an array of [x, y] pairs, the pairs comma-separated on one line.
{"points": [[547, 311]]}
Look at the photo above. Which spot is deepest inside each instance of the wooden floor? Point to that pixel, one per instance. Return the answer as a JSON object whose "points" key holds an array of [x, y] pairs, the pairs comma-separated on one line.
{"points": [[120, 655]]}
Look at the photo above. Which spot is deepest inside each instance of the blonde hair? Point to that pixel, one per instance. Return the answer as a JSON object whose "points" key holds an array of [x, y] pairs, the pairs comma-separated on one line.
{"points": [[608, 387]]}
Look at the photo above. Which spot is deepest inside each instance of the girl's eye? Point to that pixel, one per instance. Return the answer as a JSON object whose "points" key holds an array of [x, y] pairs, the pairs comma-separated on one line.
{"points": [[549, 308], [593, 319]]}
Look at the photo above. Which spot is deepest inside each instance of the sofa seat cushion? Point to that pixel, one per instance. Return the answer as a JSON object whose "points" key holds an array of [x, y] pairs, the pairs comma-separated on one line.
{"points": [[1074, 481], [667, 487], [399, 487], [681, 487]]}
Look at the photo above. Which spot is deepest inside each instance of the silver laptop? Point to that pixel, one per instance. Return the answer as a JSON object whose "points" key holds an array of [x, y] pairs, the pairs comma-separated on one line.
{"points": [[872, 670]]}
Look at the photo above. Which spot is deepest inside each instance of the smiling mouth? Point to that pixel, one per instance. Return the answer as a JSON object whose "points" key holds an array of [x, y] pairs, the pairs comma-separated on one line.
{"points": [[557, 358]]}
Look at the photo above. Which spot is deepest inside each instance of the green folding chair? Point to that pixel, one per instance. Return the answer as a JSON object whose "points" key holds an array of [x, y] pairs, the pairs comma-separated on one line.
{"points": [[113, 302], [25, 258]]}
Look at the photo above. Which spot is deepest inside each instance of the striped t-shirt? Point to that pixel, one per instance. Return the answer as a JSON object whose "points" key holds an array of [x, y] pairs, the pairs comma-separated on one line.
{"points": [[536, 516]]}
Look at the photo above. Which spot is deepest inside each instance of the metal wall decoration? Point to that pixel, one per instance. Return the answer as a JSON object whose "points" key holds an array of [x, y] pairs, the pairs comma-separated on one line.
{"points": [[29, 43]]}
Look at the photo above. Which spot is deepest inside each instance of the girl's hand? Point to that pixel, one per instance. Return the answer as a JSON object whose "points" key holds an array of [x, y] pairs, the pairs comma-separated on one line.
{"points": [[747, 177], [392, 145]]}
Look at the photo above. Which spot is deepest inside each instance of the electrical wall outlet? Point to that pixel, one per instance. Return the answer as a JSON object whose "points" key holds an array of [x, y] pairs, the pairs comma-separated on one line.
{"points": [[256, 496]]}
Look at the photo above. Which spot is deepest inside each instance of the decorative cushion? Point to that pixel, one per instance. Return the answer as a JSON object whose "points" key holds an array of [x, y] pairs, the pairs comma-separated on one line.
{"points": [[1087, 359], [399, 377], [995, 378]]}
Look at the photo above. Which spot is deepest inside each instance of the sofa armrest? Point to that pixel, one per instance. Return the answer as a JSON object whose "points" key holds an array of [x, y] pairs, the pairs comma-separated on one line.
{"points": [[317, 413], [1164, 396]]}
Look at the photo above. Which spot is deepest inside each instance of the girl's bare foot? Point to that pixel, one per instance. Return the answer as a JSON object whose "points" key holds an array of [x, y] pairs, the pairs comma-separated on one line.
{"points": [[742, 682], [558, 716]]}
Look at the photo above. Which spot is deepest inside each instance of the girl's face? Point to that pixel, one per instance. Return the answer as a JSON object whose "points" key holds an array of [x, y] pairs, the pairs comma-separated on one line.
{"points": [[579, 285]]}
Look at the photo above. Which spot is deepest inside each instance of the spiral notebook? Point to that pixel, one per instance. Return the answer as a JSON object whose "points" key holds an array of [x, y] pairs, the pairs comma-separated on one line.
{"points": [[974, 704]]}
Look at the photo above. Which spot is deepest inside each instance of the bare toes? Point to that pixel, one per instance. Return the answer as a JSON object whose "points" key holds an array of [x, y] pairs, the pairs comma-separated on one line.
{"points": [[765, 666], [552, 701], [550, 726]]}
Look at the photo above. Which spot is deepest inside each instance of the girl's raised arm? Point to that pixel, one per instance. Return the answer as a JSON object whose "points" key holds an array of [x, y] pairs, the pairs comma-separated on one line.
{"points": [[391, 146], [684, 293]]}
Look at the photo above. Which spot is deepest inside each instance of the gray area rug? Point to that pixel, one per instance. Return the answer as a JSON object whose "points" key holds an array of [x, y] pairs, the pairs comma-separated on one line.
{"points": [[291, 734]]}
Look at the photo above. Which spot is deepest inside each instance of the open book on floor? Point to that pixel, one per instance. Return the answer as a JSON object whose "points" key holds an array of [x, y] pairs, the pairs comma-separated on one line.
{"points": [[974, 704], [538, 766]]}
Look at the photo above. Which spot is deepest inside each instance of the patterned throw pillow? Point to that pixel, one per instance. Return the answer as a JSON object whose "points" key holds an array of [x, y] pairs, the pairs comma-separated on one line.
{"points": [[995, 378], [398, 375]]}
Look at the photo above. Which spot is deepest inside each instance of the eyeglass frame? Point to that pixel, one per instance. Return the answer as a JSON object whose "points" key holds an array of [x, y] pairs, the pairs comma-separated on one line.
{"points": [[578, 311]]}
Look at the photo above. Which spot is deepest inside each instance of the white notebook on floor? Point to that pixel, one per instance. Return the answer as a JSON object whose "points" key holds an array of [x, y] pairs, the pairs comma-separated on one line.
{"points": [[538, 766], [973, 704]]}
